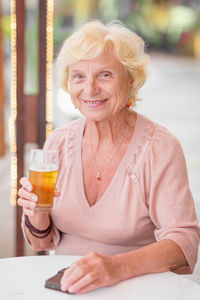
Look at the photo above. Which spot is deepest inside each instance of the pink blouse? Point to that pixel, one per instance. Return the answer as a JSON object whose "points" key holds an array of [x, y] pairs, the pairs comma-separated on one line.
{"points": [[147, 200]]}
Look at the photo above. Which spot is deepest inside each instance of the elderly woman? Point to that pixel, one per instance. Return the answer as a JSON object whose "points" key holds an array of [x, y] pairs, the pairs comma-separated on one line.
{"points": [[124, 202]]}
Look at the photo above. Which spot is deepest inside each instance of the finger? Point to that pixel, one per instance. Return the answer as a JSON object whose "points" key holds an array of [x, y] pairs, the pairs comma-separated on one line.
{"points": [[90, 287], [29, 212], [72, 275], [56, 193], [84, 282], [22, 193], [77, 270], [26, 184], [26, 203]]}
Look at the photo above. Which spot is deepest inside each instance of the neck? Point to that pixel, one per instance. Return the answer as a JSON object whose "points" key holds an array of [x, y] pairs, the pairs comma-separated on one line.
{"points": [[108, 131]]}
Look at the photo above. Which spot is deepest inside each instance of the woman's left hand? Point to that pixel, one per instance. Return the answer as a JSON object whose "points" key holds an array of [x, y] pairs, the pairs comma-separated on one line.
{"points": [[91, 272]]}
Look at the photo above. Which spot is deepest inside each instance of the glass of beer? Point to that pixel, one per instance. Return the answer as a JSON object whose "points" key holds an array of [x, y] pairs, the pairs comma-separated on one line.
{"points": [[43, 175]]}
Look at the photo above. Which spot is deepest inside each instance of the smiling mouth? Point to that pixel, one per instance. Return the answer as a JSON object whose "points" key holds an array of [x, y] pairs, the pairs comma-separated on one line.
{"points": [[95, 102]]}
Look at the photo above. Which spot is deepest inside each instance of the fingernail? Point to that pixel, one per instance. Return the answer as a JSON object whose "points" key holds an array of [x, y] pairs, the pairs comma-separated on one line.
{"points": [[63, 288], [34, 197], [71, 289], [33, 205], [29, 188]]}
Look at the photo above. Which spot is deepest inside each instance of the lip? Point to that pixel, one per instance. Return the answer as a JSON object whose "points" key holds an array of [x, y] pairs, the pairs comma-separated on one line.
{"points": [[95, 103]]}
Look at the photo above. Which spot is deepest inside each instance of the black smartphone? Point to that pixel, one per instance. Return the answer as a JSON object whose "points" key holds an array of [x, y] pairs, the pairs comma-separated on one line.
{"points": [[54, 281]]}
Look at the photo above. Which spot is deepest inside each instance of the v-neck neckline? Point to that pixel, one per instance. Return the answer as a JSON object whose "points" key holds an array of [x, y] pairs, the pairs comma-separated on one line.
{"points": [[116, 178]]}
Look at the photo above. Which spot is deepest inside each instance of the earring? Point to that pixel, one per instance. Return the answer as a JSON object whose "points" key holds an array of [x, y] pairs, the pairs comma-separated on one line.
{"points": [[129, 103]]}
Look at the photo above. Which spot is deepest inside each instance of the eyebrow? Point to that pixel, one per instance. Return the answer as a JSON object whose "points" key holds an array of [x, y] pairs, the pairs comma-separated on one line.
{"points": [[102, 69], [75, 70]]}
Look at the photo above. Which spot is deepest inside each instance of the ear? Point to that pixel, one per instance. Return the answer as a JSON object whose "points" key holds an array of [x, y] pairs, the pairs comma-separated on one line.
{"points": [[130, 82]]}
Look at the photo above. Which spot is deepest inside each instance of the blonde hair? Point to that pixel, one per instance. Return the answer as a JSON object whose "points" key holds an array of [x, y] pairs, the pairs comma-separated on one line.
{"points": [[89, 42]]}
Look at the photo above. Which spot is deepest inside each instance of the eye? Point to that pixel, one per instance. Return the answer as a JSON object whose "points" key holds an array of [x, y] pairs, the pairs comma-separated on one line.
{"points": [[77, 76], [105, 75]]}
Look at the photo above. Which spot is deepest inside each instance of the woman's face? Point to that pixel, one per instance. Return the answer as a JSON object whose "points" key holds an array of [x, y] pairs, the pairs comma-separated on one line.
{"points": [[99, 87]]}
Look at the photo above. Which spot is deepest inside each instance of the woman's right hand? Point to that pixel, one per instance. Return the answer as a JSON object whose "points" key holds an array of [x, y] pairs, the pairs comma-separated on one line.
{"points": [[27, 200]]}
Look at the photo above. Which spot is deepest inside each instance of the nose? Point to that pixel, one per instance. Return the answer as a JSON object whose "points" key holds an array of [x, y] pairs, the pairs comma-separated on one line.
{"points": [[91, 87]]}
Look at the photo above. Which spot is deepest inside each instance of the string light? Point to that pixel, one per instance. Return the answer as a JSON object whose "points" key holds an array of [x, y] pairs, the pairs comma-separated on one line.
{"points": [[13, 106], [13, 90], [49, 63]]}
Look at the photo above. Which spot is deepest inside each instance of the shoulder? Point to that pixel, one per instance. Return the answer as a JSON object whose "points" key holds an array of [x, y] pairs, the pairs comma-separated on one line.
{"points": [[58, 136], [161, 144], [163, 155], [164, 148], [164, 141], [159, 135]]}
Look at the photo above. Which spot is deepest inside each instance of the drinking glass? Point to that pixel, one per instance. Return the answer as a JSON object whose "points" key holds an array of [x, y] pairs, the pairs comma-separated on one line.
{"points": [[43, 175]]}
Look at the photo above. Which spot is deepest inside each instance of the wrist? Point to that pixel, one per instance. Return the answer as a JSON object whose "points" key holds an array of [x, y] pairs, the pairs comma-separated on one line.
{"points": [[121, 266], [40, 220], [36, 232], [126, 265]]}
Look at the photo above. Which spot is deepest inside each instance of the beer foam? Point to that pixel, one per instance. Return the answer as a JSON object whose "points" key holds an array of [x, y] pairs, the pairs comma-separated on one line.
{"points": [[48, 168]]}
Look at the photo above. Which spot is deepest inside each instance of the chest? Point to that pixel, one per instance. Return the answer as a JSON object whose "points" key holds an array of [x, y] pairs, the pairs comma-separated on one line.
{"points": [[120, 216], [100, 165]]}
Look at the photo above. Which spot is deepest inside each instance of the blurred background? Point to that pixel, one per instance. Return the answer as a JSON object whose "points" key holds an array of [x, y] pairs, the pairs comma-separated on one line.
{"points": [[171, 95]]}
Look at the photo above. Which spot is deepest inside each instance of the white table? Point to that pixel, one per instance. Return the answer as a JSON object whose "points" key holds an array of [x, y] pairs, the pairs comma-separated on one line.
{"points": [[23, 278]]}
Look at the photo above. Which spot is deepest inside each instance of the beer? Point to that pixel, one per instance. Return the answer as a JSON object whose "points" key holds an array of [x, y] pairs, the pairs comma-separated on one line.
{"points": [[43, 182], [43, 175]]}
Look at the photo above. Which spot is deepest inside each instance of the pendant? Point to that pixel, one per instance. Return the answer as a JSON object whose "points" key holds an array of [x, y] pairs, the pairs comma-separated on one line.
{"points": [[98, 177]]}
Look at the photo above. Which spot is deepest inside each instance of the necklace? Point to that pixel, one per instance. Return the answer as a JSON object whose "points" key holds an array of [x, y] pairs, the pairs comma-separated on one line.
{"points": [[99, 172]]}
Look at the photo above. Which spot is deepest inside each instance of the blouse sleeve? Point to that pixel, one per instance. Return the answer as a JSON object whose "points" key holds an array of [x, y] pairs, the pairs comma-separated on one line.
{"points": [[56, 141], [170, 202]]}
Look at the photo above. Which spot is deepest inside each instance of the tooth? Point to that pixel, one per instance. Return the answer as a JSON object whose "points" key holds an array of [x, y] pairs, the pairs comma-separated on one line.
{"points": [[96, 102]]}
